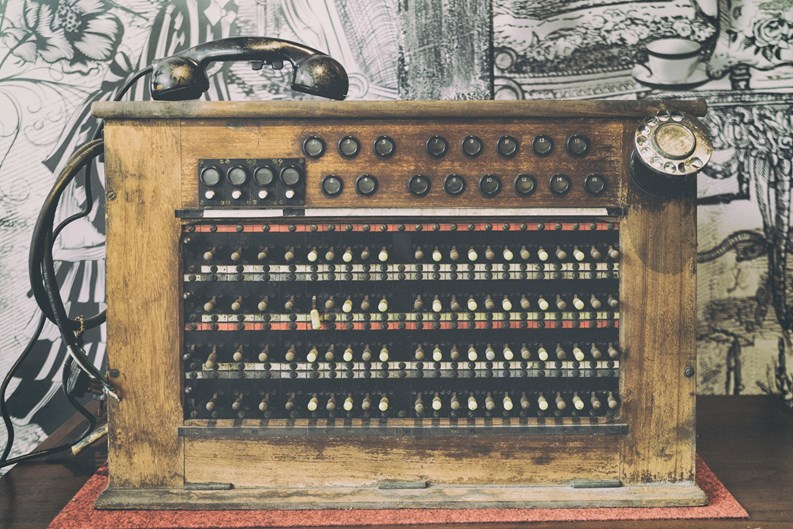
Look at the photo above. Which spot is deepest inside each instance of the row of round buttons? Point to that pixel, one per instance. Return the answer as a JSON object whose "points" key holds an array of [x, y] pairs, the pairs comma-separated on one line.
{"points": [[438, 146], [263, 175], [454, 184]]}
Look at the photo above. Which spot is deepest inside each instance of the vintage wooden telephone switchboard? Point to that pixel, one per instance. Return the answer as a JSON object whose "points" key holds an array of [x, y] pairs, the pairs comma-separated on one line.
{"points": [[402, 304]]}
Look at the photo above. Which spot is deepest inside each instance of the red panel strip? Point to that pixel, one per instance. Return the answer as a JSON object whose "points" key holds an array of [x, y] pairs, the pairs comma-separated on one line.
{"points": [[393, 326], [429, 227]]}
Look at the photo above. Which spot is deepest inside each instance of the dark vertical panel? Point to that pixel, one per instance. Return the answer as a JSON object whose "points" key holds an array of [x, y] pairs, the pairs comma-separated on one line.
{"points": [[445, 49]]}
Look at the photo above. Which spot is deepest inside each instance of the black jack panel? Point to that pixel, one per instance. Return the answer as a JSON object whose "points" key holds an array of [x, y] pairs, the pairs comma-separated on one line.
{"points": [[386, 319]]}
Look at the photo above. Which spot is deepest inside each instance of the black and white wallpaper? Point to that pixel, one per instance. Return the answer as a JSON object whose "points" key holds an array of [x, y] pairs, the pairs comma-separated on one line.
{"points": [[59, 56]]}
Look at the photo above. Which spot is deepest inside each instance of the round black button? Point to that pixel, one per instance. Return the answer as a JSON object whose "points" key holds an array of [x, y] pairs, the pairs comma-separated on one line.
{"points": [[332, 185], [366, 184], [472, 146], [594, 184], [210, 176], [490, 185], [290, 174], [349, 147], [507, 146], [542, 145], [384, 147], [437, 146], [525, 184], [560, 184], [237, 175], [313, 147], [419, 185], [454, 184], [577, 145], [264, 175]]}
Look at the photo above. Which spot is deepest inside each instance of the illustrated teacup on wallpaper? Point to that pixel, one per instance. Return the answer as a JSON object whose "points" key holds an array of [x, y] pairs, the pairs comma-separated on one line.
{"points": [[672, 60]]}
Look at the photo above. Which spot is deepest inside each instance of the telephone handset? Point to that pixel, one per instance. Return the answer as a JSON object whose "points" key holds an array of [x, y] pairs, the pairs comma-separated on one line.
{"points": [[183, 76]]}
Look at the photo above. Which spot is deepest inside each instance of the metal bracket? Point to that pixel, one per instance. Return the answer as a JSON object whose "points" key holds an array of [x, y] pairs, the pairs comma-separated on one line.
{"points": [[389, 484], [596, 483], [208, 486]]}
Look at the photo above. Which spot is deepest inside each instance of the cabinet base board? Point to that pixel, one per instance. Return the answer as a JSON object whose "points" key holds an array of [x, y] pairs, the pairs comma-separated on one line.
{"points": [[683, 494]]}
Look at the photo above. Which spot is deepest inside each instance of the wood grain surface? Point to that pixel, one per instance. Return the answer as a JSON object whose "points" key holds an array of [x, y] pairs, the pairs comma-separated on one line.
{"points": [[362, 110], [327, 461], [442, 497], [143, 321], [152, 172], [658, 241]]}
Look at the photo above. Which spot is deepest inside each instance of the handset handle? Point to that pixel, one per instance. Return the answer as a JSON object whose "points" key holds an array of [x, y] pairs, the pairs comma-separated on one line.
{"points": [[183, 76]]}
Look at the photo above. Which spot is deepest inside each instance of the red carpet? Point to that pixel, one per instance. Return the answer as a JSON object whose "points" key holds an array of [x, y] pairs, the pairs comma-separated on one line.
{"points": [[79, 513]]}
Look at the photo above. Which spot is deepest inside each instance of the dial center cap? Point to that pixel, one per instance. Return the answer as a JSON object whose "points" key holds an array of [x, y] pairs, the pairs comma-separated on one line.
{"points": [[675, 141]]}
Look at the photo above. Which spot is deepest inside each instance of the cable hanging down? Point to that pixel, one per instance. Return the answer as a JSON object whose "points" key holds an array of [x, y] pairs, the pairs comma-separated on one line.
{"points": [[47, 294], [42, 267]]}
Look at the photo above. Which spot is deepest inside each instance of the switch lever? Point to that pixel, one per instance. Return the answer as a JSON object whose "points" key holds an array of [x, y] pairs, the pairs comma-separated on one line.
{"points": [[314, 314]]}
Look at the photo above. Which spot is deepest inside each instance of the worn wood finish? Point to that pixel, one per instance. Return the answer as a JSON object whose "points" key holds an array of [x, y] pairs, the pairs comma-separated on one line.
{"points": [[152, 172], [745, 440], [657, 334], [277, 139], [365, 110], [328, 461], [457, 66], [440, 497], [143, 190]]}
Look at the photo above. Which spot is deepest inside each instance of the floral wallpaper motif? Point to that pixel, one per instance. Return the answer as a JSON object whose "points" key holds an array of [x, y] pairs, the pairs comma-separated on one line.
{"points": [[770, 36], [75, 31], [59, 56], [756, 33], [745, 281]]}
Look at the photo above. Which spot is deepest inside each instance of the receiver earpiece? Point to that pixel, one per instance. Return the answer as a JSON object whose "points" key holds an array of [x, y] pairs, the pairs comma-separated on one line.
{"points": [[183, 76], [321, 75], [178, 78]]}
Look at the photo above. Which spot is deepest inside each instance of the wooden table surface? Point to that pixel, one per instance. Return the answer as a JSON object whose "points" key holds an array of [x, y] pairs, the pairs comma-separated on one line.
{"points": [[747, 441]]}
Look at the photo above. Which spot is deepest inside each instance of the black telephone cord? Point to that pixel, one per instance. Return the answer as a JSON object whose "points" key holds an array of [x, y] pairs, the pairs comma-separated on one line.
{"points": [[39, 248], [4, 461], [84, 155], [46, 291]]}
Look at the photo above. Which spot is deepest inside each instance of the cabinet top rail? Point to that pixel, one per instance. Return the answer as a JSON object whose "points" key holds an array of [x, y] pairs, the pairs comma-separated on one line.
{"points": [[408, 110]]}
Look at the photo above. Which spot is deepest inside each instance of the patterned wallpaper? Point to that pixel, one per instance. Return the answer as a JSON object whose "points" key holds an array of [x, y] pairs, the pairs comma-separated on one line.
{"points": [[59, 56]]}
